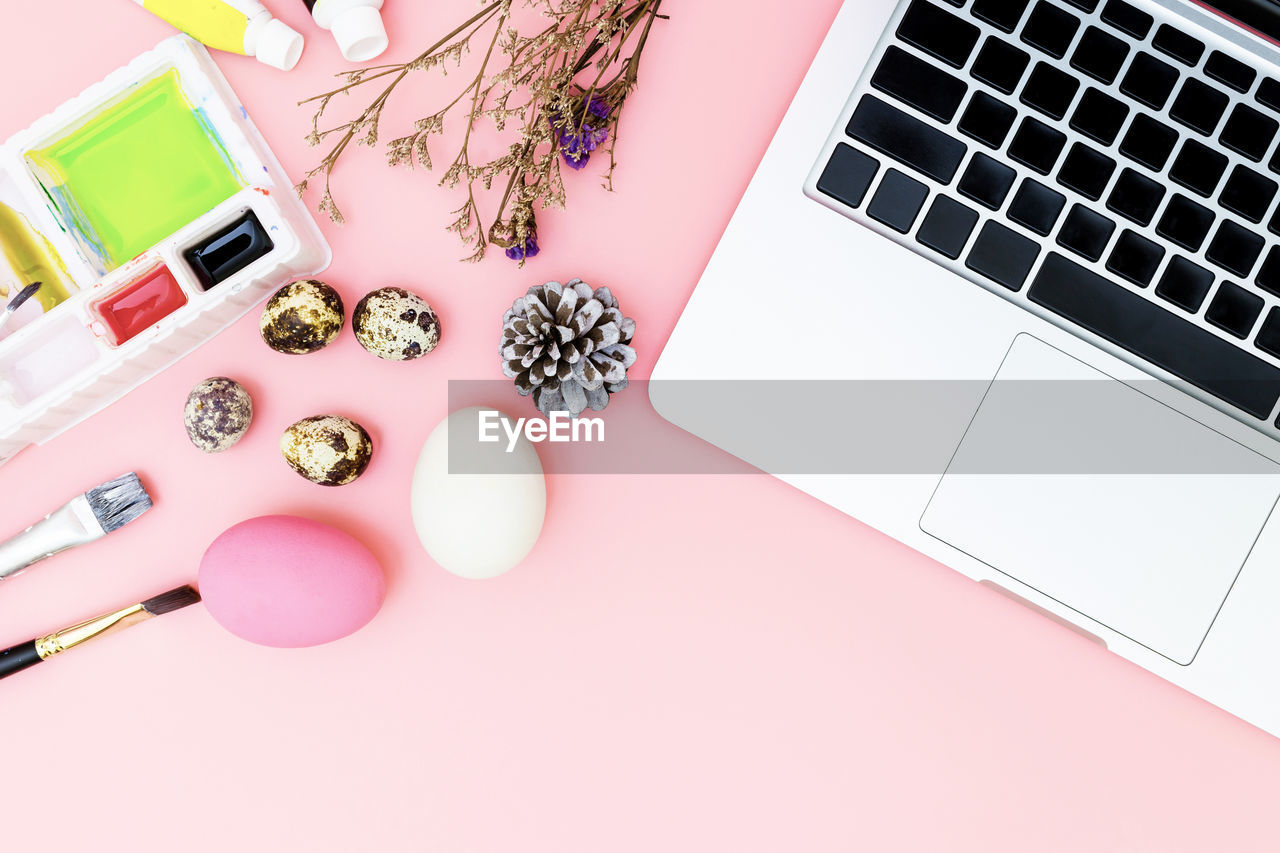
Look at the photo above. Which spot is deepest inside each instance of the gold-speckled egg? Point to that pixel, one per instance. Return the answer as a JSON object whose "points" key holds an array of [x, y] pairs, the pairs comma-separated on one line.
{"points": [[396, 325], [218, 414], [327, 449], [302, 317]]}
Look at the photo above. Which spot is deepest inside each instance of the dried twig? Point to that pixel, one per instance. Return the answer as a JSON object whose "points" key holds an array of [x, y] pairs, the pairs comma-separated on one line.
{"points": [[563, 86]]}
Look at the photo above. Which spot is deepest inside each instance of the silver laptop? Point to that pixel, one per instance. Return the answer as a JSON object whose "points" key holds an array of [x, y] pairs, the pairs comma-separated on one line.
{"points": [[1032, 247]]}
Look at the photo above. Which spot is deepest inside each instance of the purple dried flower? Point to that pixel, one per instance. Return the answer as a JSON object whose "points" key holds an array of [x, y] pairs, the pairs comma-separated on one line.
{"points": [[525, 251], [599, 108], [576, 147]]}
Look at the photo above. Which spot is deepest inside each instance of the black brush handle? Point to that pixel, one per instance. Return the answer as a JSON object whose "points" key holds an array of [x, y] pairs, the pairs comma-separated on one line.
{"points": [[18, 658]]}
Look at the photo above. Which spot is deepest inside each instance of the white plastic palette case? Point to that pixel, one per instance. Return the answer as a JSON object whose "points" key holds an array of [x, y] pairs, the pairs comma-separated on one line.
{"points": [[111, 317]]}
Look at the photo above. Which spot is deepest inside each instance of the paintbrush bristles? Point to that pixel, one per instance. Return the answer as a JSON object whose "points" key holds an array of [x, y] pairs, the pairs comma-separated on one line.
{"points": [[174, 599], [23, 295], [118, 502]]}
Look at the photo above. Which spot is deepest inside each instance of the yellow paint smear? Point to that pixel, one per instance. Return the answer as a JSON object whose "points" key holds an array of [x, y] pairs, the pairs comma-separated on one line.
{"points": [[31, 257]]}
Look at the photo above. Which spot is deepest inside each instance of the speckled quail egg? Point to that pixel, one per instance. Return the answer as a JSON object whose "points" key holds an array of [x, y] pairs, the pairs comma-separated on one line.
{"points": [[396, 325], [327, 449], [218, 414], [302, 317]]}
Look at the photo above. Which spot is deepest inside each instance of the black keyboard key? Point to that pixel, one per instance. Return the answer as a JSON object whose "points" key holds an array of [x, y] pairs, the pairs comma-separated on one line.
{"points": [[947, 226], [1036, 145], [1268, 339], [1249, 132], [987, 120], [1049, 90], [1269, 275], [1149, 80], [1099, 54], [1248, 194], [986, 181], [1234, 248], [1099, 116], [1149, 142], [1150, 332], [1086, 233], [1268, 93], [907, 139], [1003, 255], [1084, 5], [924, 86], [1050, 29], [1230, 71], [1198, 107], [1185, 284], [847, 175], [1135, 197], [1178, 44], [1185, 223], [1198, 168], [1234, 309], [1127, 18], [1135, 258], [938, 32], [1000, 65], [1001, 14], [897, 201], [1036, 207], [1086, 171], [1274, 225]]}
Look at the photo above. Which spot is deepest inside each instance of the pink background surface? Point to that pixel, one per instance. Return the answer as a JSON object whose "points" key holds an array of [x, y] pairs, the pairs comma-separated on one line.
{"points": [[727, 666]]}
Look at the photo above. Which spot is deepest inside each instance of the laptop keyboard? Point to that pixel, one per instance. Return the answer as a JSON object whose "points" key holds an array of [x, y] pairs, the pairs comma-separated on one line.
{"points": [[1116, 173]]}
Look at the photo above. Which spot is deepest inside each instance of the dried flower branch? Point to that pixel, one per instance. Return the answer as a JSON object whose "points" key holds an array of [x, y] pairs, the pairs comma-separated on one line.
{"points": [[564, 86]]}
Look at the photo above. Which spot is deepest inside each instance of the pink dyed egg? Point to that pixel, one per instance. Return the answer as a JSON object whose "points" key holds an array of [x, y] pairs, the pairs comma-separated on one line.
{"points": [[290, 582]]}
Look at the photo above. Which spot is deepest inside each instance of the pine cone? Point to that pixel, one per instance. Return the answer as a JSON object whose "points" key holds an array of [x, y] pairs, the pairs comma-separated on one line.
{"points": [[567, 346]]}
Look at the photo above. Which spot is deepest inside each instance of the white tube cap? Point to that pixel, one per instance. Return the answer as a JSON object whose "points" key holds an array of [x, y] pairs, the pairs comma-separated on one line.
{"points": [[279, 45], [360, 33]]}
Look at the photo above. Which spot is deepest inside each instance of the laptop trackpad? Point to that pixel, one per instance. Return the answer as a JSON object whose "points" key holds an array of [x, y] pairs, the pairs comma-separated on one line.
{"points": [[1103, 499]]}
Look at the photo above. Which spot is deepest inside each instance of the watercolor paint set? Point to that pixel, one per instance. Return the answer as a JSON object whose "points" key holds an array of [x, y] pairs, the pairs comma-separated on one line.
{"points": [[154, 215]]}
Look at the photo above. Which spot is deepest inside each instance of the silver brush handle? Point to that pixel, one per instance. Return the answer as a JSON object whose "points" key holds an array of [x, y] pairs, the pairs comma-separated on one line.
{"points": [[61, 529]]}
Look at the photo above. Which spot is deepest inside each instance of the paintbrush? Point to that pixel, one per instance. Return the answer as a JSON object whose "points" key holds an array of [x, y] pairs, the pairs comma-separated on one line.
{"points": [[86, 518], [29, 654], [17, 301]]}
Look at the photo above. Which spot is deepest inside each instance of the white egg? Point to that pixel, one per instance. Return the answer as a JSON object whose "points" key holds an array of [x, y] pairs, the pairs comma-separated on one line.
{"points": [[478, 510]]}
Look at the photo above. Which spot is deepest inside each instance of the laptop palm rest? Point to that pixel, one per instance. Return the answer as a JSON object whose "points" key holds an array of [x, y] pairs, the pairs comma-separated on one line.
{"points": [[1098, 496]]}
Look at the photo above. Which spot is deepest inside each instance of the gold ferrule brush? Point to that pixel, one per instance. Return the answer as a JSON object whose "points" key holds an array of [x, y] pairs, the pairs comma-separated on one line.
{"points": [[69, 638], [22, 656]]}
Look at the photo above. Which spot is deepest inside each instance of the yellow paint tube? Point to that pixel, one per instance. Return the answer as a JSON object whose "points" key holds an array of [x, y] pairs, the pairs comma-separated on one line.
{"points": [[238, 26]]}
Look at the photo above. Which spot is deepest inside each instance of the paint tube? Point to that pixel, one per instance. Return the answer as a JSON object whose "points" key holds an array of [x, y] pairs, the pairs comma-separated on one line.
{"points": [[238, 26], [356, 24]]}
